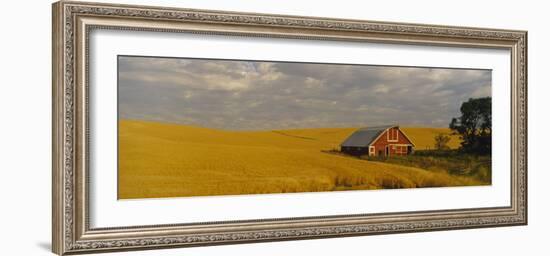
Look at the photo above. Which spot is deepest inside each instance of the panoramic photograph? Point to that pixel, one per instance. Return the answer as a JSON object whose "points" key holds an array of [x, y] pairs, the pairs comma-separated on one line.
{"points": [[211, 127]]}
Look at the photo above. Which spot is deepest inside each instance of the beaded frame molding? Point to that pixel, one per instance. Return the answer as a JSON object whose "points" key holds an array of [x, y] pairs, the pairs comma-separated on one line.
{"points": [[72, 23]]}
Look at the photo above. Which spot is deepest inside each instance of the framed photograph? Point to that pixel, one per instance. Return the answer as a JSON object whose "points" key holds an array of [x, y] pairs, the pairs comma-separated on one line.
{"points": [[179, 127]]}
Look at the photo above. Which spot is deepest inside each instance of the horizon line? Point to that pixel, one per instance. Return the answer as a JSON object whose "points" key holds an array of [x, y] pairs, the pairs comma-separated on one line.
{"points": [[274, 129]]}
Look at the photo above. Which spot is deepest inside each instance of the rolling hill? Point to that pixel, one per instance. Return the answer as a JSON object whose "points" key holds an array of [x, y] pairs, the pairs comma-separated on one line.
{"points": [[169, 160]]}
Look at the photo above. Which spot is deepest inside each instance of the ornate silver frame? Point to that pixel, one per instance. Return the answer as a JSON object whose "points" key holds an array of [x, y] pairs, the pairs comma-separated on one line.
{"points": [[72, 22]]}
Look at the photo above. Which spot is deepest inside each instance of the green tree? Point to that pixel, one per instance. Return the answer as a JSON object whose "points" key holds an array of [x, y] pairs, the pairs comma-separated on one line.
{"points": [[441, 141], [474, 126]]}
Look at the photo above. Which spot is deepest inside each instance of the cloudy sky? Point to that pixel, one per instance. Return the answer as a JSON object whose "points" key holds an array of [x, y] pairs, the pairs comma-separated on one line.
{"points": [[255, 95]]}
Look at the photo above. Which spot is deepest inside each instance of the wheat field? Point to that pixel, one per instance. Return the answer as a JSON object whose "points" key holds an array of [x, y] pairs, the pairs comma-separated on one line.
{"points": [[423, 137], [167, 160]]}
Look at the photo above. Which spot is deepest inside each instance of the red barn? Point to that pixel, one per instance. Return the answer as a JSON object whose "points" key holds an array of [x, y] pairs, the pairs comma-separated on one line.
{"points": [[378, 141]]}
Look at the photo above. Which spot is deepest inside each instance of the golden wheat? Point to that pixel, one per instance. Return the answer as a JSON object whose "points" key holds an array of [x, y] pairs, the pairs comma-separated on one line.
{"points": [[423, 137], [167, 160]]}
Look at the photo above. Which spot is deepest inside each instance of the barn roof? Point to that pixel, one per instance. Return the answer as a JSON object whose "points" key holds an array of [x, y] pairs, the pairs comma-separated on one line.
{"points": [[365, 136]]}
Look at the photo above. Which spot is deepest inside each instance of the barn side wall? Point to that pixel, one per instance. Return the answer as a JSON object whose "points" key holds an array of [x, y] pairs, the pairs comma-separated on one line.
{"points": [[355, 151]]}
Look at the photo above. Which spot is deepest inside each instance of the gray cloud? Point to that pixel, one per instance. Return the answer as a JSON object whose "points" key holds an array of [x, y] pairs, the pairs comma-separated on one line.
{"points": [[252, 95]]}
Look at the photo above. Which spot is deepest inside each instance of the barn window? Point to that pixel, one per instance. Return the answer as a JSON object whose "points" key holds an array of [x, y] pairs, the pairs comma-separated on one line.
{"points": [[401, 150], [392, 134], [371, 150]]}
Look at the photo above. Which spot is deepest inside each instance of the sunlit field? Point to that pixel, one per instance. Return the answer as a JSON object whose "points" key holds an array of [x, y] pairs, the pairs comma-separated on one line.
{"points": [[167, 160], [423, 137]]}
